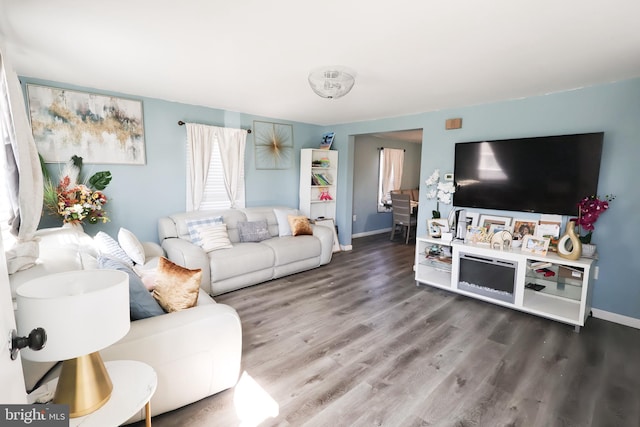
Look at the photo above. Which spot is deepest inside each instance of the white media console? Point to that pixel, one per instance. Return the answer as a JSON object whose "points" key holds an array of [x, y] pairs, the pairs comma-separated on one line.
{"points": [[547, 286]]}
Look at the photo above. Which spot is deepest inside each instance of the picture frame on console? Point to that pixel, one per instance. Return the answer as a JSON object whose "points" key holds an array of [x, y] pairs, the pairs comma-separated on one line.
{"points": [[535, 245], [477, 235], [487, 221], [523, 227], [497, 228], [472, 218], [437, 226]]}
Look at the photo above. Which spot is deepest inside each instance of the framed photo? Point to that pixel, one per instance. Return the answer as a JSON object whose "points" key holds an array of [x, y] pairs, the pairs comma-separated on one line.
{"points": [[98, 128], [497, 228], [327, 140], [535, 245], [274, 145], [487, 221], [477, 235], [437, 227], [549, 229], [524, 227], [473, 216]]}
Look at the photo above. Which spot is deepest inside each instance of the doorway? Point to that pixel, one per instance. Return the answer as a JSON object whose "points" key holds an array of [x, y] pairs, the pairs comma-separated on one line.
{"points": [[367, 218]]}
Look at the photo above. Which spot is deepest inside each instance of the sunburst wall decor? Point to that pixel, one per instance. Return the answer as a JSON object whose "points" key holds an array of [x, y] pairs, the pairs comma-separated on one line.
{"points": [[274, 145]]}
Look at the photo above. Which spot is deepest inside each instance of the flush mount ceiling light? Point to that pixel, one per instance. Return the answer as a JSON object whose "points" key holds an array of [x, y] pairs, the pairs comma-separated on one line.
{"points": [[331, 82]]}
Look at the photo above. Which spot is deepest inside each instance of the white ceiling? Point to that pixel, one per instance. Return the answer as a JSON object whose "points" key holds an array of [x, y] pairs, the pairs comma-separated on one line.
{"points": [[254, 56]]}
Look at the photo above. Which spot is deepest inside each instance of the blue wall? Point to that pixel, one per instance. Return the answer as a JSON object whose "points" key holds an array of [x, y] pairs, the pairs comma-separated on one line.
{"points": [[142, 194], [139, 195], [612, 108]]}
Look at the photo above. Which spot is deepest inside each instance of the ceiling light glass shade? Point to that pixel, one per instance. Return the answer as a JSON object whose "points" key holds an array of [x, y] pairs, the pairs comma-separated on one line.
{"points": [[81, 311], [331, 82]]}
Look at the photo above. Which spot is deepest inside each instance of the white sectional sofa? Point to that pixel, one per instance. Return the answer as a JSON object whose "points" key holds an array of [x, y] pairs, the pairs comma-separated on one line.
{"points": [[195, 352], [246, 263]]}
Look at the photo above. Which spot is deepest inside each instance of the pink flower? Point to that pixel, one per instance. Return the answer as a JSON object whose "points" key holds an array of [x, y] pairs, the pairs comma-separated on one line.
{"points": [[590, 208]]}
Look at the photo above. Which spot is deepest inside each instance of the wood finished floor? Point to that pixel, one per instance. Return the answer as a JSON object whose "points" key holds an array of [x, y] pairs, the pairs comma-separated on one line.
{"points": [[357, 343]]}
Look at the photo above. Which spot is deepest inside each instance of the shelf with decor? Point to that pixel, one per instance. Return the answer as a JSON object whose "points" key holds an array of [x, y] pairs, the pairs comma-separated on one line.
{"points": [[433, 262], [318, 178], [544, 285]]}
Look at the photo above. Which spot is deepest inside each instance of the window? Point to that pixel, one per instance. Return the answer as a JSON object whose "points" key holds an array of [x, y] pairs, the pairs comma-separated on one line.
{"points": [[391, 163], [215, 194]]}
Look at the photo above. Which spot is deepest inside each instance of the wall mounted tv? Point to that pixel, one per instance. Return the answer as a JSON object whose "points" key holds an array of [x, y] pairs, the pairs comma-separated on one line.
{"points": [[544, 174]]}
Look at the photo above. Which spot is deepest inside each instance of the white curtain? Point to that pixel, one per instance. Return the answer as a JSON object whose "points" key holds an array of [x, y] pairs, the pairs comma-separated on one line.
{"points": [[23, 172], [393, 167], [200, 139], [232, 143]]}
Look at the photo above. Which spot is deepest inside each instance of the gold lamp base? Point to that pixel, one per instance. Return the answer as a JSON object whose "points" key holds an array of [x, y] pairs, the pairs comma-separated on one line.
{"points": [[84, 385]]}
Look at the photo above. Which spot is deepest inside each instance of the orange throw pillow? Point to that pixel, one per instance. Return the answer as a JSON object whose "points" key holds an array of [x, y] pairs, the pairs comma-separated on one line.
{"points": [[176, 287], [299, 225]]}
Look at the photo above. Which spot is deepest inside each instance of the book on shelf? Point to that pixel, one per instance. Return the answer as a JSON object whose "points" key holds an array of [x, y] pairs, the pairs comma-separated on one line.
{"points": [[320, 179]]}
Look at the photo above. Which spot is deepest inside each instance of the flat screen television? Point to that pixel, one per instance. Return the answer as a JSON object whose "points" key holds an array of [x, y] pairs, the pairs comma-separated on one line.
{"points": [[543, 174]]}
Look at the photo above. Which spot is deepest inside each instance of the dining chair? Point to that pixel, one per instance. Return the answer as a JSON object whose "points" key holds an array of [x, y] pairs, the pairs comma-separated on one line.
{"points": [[402, 215]]}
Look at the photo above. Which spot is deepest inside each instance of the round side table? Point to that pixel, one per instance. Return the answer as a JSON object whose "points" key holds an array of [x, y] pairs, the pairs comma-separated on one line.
{"points": [[133, 385]]}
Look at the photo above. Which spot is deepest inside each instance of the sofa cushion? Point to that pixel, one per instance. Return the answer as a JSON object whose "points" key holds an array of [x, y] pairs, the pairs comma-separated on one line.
{"points": [[141, 303], [244, 258], [131, 246], [215, 237], [253, 231], [300, 225], [109, 247], [282, 216], [176, 287], [290, 249]]}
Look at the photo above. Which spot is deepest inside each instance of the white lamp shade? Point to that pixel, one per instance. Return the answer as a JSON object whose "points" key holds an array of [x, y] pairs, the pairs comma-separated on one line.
{"points": [[81, 311]]}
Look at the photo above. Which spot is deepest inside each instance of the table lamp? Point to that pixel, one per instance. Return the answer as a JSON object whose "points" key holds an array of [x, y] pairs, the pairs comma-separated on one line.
{"points": [[82, 312]]}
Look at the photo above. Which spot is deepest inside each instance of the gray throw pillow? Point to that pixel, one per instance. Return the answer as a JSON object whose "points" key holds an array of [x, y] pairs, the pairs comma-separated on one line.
{"points": [[142, 304], [253, 231]]}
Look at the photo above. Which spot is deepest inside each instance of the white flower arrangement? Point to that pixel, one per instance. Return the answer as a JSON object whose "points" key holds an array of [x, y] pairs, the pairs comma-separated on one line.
{"points": [[441, 191]]}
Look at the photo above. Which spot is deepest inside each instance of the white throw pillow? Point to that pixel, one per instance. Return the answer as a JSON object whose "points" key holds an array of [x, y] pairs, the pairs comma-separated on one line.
{"points": [[282, 215], [131, 245], [214, 237], [194, 225], [107, 246]]}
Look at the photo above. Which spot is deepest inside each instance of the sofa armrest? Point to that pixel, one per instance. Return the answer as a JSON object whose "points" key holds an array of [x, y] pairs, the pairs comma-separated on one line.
{"points": [[190, 256], [152, 250], [175, 335], [195, 352], [325, 235]]}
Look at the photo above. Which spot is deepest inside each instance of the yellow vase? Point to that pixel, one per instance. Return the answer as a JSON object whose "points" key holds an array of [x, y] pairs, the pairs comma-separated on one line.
{"points": [[569, 245]]}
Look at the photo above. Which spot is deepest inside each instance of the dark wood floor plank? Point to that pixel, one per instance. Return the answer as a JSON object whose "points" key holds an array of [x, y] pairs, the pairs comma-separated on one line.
{"points": [[357, 343]]}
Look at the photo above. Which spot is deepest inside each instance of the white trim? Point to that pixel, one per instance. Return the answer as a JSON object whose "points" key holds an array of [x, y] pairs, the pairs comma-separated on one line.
{"points": [[370, 233], [616, 318], [346, 247]]}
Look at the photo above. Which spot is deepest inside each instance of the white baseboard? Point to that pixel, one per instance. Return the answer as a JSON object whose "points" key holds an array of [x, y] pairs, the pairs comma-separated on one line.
{"points": [[616, 318], [371, 233]]}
